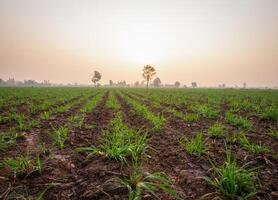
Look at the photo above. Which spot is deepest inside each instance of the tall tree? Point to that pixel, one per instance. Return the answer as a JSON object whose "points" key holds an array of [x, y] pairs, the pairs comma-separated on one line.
{"points": [[157, 82], [111, 83], [194, 84], [2, 82], [244, 85], [148, 73], [136, 84], [96, 77], [177, 84]]}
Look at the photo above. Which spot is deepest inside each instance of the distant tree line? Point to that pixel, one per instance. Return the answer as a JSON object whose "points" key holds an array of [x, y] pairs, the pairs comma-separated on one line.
{"points": [[148, 74], [13, 82]]}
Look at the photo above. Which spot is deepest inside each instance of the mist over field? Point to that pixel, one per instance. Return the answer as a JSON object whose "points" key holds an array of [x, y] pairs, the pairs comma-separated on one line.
{"points": [[138, 99], [208, 42]]}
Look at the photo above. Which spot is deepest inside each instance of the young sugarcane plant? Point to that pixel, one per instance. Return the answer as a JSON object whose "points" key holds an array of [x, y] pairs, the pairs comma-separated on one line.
{"points": [[140, 183], [233, 181], [22, 166], [196, 146], [120, 143], [60, 136]]}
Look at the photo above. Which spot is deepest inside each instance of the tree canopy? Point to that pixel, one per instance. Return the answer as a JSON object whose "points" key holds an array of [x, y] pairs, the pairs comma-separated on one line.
{"points": [[148, 73], [96, 77]]}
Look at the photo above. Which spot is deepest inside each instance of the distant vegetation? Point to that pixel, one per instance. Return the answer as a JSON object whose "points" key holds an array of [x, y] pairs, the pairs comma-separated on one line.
{"points": [[149, 74], [96, 78]]}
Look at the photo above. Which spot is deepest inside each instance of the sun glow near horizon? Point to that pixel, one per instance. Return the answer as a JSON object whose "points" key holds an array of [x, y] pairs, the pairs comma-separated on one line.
{"points": [[210, 42]]}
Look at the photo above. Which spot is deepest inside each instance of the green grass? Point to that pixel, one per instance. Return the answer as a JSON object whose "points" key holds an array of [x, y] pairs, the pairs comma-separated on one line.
{"points": [[91, 104], [42, 193], [207, 111], [245, 105], [10, 117], [175, 113], [112, 102], [157, 121], [217, 130], [238, 121], [243, 141], [43, 150], [191, 117], [8, 140], [76, 120], [234, 182], [60, 136], [140, 183], [22, 165], [21, 122], [270, 113], [119, 143], [45, 115], [196, 146], [273, 133]]}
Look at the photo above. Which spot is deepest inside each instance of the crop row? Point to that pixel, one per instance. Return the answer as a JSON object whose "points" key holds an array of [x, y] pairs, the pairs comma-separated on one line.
{"points": [[227, 177]]}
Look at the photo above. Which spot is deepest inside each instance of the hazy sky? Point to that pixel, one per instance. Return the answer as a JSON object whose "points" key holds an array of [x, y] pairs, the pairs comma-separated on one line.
{"points": [[208, 41]]}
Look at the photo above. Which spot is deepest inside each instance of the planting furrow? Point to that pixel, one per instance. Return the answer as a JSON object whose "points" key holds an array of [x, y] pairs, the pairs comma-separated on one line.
{"points": [[138, 144], [94, 172], [21, 121], [157, 121], [160, 150], [216, 150], [29, 137], [40, 143], [120, 144]]}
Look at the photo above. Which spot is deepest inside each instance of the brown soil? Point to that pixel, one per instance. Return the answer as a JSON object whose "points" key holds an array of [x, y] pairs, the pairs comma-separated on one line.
{"points": [[71, 175], [188, 172]]}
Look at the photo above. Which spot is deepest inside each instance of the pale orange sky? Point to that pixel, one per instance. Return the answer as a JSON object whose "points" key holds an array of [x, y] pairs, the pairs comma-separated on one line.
{"points": [[211, 42]]}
